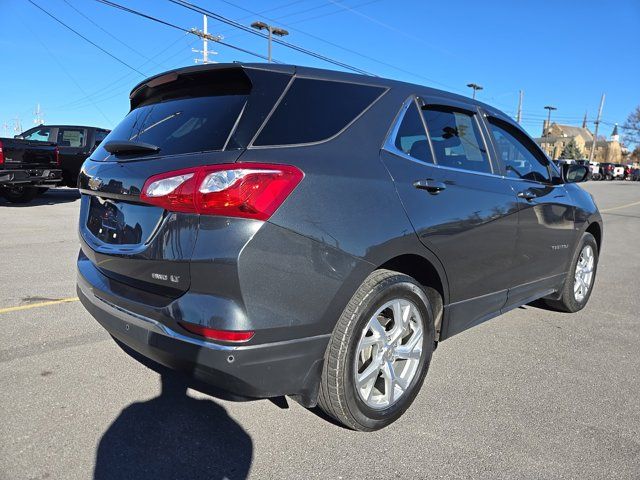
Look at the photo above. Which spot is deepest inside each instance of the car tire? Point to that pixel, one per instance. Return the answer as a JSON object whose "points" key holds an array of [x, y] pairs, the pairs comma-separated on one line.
{"points": [[586, 253], [371, 405], [19, 194]]}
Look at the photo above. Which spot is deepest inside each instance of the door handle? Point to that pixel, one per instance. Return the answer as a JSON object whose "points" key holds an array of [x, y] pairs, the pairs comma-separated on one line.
{"points": [[527, 194], [430, 185]]}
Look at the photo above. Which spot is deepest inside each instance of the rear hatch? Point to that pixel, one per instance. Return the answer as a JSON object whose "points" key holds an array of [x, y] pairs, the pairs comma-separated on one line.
{"points": [[194, 117]]}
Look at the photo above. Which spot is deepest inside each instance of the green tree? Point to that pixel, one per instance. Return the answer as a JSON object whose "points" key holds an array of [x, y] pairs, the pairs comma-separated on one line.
{"points": [[571, 151]]}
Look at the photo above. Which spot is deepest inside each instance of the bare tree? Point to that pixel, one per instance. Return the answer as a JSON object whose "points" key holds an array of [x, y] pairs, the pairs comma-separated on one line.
{"points": [[632, 127]]}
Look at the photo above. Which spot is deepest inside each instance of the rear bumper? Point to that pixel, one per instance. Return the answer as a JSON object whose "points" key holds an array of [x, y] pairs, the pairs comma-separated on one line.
{"points": [[289, 367], [35, 176]]}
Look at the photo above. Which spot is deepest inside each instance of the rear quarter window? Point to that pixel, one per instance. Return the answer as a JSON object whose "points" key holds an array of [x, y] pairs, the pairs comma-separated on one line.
{"points": [[315, 110]]}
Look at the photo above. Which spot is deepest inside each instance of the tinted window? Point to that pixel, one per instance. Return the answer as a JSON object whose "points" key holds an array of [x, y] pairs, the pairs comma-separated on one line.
{"points": [[39, 134], [412, 138], [314, 110], [456, 139], [180, 126], [100, 136], [519, 161], [70, 137]]}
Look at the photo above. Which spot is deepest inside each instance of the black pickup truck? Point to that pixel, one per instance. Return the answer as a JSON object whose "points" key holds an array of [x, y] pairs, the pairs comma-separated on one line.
{"points": [[75, 143], [27, 167]]}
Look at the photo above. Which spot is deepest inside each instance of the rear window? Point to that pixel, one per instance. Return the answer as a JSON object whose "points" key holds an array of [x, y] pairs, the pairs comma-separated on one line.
{"points": [[183, 125], [71, 137], [315, 110]]}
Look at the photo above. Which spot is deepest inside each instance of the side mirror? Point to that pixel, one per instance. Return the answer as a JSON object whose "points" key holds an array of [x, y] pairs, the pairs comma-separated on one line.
{"points": [[574, 173]]}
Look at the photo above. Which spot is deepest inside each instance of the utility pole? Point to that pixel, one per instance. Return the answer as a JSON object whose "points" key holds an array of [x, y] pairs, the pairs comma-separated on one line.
{"points": [[519, 115], [205, 36], [550, 108], [280, 32], [39, 116], [17, 125], [475, 87], [595, 134]]}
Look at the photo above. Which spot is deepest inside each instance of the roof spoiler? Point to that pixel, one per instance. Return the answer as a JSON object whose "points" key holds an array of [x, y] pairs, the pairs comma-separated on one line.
{"points": [[198, 79]]}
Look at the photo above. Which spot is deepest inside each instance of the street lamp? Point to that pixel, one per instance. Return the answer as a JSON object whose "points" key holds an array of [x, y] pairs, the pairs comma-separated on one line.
{"points": [[281, 32], [475, 87], [549, 107]]}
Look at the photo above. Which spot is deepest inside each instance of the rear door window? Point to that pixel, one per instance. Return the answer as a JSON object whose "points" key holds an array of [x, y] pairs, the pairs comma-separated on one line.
{"points": [[315, 110], [456, 139], [184, 125], [71, 137]]}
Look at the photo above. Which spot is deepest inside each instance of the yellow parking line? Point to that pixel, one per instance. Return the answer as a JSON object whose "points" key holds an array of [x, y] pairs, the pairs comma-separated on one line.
{"points": [[39, 304], [621, 206]]}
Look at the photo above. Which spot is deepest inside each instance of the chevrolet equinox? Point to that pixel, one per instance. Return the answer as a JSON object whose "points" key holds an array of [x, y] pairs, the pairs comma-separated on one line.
{"points": [[278, 230]]}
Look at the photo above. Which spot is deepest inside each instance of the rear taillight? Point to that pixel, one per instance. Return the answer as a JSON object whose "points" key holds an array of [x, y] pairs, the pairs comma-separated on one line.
{"points": [[1, 154], [244, 190], [56, 155], [235, 336]]}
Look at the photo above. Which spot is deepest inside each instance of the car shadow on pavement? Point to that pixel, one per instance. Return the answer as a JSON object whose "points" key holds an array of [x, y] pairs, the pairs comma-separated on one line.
{"points": [[53, 196], [174, 436]]}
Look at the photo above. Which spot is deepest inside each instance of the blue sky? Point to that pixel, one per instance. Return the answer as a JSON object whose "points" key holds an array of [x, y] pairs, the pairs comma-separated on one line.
{"points": [[563, 53]]}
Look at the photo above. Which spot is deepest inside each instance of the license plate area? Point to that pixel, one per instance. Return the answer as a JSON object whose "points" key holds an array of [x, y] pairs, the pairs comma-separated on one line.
{"points": [[121, 223]]}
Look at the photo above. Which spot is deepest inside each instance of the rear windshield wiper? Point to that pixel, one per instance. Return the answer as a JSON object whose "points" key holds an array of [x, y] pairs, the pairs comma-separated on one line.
{"points": [[130, 147]]}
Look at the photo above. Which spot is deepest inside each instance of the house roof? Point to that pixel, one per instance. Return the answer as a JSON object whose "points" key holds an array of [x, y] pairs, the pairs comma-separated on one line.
{"points": [[571, 131]]}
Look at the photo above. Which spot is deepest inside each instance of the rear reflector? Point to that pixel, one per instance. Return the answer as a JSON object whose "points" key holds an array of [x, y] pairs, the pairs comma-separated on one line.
{"points": [[247, 190], [220, 335]]}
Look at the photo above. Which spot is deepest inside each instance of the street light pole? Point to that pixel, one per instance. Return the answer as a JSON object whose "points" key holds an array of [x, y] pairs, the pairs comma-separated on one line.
{"points": [[475, 87], [281, 32], [549, 108]]}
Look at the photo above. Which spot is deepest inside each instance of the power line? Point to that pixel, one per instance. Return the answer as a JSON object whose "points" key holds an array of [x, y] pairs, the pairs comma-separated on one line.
{"points": [[85, 38], [292, 46], [114, 91], [117, 39], [325, 14], [373, 59], [63, 68], [117, 83], [172, 25]]}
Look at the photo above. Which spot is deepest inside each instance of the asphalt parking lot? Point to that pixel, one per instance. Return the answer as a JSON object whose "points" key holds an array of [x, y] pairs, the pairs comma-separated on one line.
{"points": [[532, 394]]}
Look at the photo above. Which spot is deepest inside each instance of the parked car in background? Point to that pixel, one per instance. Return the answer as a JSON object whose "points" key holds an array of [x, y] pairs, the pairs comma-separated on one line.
{"points": [[279, 230], [27, 168], [628, 172], [618, 171], [606, 170], [75, 143], [594, 169]]}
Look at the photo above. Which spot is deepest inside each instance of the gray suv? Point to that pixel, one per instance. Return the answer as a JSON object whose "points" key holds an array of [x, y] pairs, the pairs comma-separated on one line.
{"points": [[277, 230]]}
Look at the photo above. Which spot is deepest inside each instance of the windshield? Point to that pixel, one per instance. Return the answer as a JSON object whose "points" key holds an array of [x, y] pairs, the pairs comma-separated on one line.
{"points": [[184, 125]]}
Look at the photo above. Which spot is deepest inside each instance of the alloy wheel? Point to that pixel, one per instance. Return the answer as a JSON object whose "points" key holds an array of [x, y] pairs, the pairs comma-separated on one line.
{"points": [[389, 353], [584, 273]]}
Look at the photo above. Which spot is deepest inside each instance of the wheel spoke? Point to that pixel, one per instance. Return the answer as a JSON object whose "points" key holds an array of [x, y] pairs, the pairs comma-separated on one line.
{"points": [[389, 375], [378, 330], [370, 341], [369, 373], [406, 353]]}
